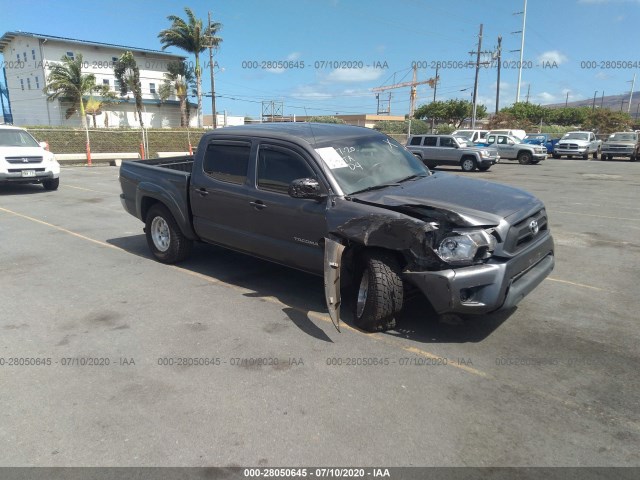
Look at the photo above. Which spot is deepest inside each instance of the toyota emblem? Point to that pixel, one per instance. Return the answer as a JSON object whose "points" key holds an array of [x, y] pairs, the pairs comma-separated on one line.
{"points": [[533, 226]]}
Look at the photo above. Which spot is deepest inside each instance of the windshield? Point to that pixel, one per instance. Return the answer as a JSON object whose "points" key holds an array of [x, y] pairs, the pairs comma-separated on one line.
{"points": [[466, 134], [576, 136], [538, 138], [361, 163], [16, 138], [624, 137]]}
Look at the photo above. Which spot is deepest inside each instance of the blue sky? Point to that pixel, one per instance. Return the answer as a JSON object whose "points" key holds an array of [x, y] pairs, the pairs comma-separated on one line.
{"points": [[370, 33]]}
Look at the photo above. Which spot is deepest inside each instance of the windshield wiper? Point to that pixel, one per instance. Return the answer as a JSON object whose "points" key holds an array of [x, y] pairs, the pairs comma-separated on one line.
{"points": [[412, 177], [375, 187]]}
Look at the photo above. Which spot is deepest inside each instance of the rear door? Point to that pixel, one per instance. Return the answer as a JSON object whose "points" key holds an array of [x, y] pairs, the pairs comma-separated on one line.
{"points": [[219, 193], [285, 229]]}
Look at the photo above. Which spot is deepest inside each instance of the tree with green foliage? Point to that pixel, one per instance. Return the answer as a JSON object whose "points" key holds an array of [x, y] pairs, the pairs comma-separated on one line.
{"points": [[418, 127], [127, 73], [569, 115], [67, 82], [607, 121], [192, 37], [177, 81], [454, 111], [95, 104], [325, 119]]}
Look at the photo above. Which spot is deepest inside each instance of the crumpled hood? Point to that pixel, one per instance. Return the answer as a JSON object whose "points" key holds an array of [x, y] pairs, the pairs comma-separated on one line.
{"points": [[460, 200]]}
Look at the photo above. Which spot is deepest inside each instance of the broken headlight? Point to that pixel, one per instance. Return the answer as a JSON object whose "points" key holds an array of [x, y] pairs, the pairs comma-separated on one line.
{"points": [[466, 247]]}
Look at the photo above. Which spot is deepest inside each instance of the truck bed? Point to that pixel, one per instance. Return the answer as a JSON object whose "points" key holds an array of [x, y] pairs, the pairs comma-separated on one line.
{"points": [[182, 164]]}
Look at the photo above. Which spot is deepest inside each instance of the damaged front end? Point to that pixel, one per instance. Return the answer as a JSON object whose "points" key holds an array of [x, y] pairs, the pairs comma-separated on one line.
{"points": [[427, 239]]}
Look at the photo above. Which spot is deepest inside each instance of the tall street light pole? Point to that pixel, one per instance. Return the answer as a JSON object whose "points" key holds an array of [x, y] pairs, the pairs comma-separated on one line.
{"points": [[214, 117]]}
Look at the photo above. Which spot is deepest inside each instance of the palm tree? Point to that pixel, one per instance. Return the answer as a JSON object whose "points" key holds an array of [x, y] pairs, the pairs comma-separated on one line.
{"points": [[67, 82], [127, 73], [191, 36], [95, 105], [177, 81]]}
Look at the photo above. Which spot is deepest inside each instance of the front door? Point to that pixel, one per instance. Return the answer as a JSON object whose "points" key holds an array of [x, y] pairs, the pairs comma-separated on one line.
{"points": [[286, 230]]}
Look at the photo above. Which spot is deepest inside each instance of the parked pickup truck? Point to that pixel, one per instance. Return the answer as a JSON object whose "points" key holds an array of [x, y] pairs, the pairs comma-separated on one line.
{"points": [[578, 144], [513, 148], [543, 139], [436, 150], [621, 144], [352, 205]]}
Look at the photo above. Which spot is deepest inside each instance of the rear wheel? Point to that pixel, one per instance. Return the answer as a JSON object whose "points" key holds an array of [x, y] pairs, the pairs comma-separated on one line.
{"points": [[468, 164], [524, 158], [51, 183], [380, 294], [165, 239]]}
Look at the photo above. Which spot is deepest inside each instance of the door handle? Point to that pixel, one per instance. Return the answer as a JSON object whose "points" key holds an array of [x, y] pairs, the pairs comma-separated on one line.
{"points": [[203, 192], [258, 204]]}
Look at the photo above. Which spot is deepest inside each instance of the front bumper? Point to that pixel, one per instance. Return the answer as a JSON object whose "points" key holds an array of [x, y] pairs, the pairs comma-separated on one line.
{"points": [[571, 151], [17, 177], [539, 156], [490, 160], [618, 153], [497, 284]]}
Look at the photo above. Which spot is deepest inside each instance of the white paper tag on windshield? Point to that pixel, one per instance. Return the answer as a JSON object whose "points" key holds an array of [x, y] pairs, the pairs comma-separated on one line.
{"points": [[331, 157]]}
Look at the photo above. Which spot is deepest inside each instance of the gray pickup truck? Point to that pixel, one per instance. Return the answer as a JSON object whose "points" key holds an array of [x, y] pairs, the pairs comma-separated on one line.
{"points": [[436, 150], [352, 205]]}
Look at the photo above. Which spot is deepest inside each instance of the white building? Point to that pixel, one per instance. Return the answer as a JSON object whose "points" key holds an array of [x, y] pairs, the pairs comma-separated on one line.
{"points": [[27, 61]]}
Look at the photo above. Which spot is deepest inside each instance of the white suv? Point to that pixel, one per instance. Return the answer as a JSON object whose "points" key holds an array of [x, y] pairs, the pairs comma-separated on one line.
{"points": [[24, 160]]}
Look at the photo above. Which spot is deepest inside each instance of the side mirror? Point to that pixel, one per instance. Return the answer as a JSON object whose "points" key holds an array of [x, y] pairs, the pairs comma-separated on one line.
{"points": [[306, 188]]}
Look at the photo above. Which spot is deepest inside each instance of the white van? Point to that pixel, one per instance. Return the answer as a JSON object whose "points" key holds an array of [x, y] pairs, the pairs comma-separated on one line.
{"points": [[514, 133]]}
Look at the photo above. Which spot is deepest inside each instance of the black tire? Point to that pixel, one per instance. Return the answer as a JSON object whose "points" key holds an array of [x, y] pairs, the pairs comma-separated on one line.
{"points": [[585, 156], [555, 155], [484, 168], [165, 239], [535, 162], [524, 158], [595, 154], [633, 157], [603, 157], [51, 183], [468, 164], [379, 293]]}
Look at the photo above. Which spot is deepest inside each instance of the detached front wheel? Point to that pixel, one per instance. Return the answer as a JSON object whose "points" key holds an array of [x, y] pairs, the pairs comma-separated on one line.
{"points": [[165, 239], [380, 292]]}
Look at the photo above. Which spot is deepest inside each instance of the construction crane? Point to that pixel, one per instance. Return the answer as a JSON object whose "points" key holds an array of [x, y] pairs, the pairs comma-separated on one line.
{"points": [[413, 84]]}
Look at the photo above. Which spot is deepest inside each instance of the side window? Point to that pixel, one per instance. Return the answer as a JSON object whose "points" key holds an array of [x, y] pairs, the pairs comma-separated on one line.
{"points": [[430, 141], [415, 140], [491, 139], [502, 140], [228, 162], [277, 168], [446, 142]]}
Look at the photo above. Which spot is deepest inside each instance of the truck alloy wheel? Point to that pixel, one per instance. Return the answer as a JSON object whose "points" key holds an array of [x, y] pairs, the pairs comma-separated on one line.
{"points": [[165, 239], [524, 158]]}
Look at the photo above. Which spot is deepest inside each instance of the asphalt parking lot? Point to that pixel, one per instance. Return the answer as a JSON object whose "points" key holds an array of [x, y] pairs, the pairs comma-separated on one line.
{"points": [[553, 383]]}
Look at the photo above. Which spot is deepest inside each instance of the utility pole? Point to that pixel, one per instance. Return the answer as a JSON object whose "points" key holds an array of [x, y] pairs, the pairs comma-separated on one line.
{"points": [[435, 89], [499, 65], [528, 90], [524, 25], [214, 117], [566, 100], [633, 84], [602, 99], [593, 105], [475, 83]]}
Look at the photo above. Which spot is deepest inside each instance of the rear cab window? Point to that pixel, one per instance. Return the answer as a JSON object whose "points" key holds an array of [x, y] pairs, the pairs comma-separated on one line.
{"points": [[227, 161]]}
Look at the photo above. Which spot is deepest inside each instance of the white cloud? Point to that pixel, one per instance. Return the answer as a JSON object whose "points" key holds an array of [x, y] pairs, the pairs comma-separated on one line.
{"points": [[546, 97], [354, 75], [291, 57], [602, 76], [552, 56], [310, 92]]}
